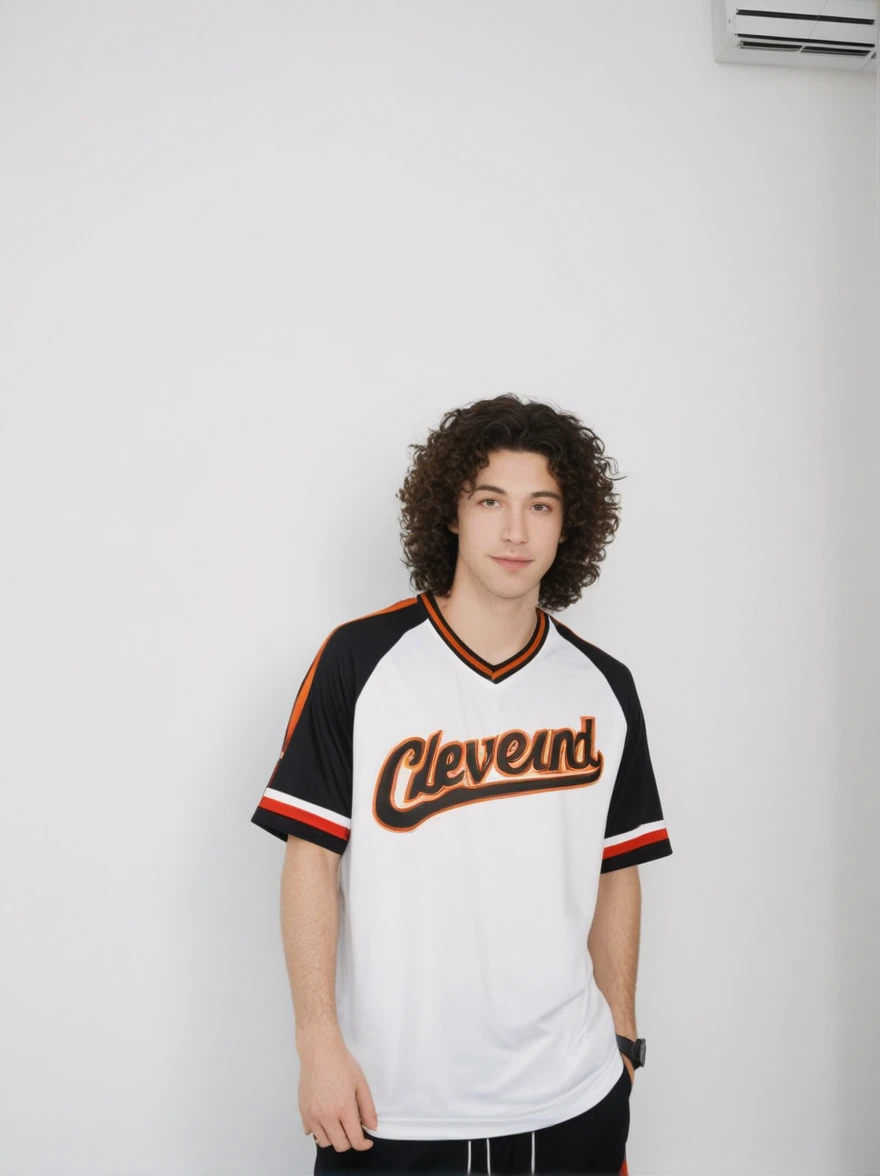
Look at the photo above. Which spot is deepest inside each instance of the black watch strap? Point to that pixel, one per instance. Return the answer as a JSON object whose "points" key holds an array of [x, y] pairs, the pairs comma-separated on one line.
{"points": [[634, 1050]]}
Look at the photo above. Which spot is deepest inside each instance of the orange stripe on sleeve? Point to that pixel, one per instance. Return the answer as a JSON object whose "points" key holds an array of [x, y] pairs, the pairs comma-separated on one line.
{"points": [[626, 846], [303, 693]]}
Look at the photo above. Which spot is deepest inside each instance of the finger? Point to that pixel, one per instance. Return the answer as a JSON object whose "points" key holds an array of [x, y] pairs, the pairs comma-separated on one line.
{"points": [[319, 1137], [366, 1107], [352, 1125], [336, 1134]]}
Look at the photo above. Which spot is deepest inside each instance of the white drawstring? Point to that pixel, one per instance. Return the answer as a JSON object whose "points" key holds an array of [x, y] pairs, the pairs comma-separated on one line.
{"points": [[489, 1157]]}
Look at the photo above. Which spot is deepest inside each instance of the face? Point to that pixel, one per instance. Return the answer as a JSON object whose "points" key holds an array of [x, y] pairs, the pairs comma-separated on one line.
{"points": [[513, 510]]}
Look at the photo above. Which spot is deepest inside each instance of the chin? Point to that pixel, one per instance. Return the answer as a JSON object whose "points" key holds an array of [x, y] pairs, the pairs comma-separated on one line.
{"points": [[511, 590]]}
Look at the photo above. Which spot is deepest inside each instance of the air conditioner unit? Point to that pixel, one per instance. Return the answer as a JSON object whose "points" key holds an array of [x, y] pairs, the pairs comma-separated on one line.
{"points": [[821, 34]]}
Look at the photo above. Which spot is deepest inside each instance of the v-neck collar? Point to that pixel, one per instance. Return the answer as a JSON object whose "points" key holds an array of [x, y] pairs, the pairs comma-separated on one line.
{"points": [[494, 673]]}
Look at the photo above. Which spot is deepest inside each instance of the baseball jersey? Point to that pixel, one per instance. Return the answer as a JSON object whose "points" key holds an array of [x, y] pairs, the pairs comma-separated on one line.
{"points": [[473, 807]]}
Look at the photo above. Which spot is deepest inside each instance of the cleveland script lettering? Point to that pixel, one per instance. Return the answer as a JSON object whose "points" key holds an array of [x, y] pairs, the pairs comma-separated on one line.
{"points": [[443, 776]]}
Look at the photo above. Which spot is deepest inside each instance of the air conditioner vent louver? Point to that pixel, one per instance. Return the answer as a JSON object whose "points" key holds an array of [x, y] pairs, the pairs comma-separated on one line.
{"points": [[778, 14], [829, 34], [790, 45], [837, 49], [754, 44]]}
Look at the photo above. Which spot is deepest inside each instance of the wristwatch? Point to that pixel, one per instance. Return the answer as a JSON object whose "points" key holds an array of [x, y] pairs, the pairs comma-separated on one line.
{"points": [[634, 1050]]}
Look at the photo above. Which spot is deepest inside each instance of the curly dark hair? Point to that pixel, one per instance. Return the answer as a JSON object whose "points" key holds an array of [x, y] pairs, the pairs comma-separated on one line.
{"points": [[459, 447]]}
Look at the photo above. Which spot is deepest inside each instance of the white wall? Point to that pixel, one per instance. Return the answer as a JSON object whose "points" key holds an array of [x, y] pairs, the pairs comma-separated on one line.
{"points": [[251, 252]]}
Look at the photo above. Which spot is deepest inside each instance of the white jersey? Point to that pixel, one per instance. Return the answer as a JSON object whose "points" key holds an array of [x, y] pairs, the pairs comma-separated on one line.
{"points": [[474, 807]]}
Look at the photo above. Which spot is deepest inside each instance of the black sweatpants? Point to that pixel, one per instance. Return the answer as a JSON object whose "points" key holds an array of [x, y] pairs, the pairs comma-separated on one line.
{"points": [[591, 1144]]}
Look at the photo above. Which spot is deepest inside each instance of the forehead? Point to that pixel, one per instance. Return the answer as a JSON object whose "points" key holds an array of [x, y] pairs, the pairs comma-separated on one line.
{"points": [[523, 470]]}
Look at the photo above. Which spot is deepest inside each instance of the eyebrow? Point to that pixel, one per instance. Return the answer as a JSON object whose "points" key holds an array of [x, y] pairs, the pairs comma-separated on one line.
{"points": [[534, 494]]}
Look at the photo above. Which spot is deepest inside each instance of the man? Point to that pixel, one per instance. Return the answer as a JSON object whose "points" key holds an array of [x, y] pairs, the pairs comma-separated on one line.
{"points": [[466, 794]]}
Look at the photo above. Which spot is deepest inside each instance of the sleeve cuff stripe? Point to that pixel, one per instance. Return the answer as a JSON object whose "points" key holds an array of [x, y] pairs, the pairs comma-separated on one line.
{"points": [[307, 806], [307, 817], [637, 831], [637, 857], [635, 843]]}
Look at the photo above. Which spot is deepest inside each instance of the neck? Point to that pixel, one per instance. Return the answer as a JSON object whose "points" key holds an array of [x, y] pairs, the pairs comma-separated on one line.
{"points": [[494, 627]]}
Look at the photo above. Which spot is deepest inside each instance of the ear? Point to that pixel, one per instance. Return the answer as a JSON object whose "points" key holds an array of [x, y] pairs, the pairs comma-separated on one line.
{"points": [[453, 527]]}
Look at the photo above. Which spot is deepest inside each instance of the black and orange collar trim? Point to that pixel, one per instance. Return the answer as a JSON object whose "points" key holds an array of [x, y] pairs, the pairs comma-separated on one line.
{"points": [[502, 670]]}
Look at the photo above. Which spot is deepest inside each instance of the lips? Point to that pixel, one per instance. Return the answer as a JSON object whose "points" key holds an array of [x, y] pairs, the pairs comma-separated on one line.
{"points": [[511, 559]]}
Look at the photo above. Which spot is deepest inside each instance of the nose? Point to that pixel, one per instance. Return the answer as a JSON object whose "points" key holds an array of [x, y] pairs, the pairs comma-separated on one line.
{"points": [[514, 530]]}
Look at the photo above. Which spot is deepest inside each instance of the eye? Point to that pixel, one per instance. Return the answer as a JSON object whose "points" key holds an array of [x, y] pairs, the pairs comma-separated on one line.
{"points": [[483, 501], [545, 506]]}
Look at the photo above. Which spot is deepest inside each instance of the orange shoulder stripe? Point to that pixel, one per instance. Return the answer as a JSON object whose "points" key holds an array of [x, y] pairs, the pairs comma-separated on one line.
{"points": [[303, 693]]}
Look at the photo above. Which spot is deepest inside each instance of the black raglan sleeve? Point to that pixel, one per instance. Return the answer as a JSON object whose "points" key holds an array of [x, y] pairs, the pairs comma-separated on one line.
{"points": [[635, 831], [309, 792]]}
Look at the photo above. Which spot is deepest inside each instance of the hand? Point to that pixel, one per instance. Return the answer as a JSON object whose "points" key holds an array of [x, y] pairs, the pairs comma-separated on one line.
{"points": [[334, 1099], [630, 1067]]}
